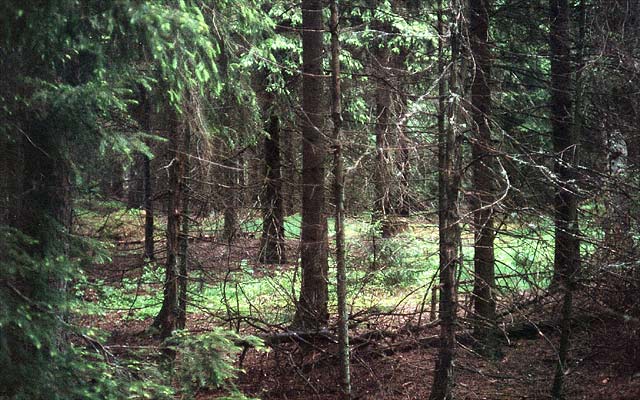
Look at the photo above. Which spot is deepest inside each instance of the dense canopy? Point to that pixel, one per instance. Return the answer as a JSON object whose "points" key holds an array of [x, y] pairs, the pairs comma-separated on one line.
{"points": [[372, 199]]}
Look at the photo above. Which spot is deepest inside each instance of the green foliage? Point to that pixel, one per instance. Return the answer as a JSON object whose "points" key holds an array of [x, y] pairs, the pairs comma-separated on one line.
{"points": [[28, 319], [206, 361], [36, 358], [39, 362]]}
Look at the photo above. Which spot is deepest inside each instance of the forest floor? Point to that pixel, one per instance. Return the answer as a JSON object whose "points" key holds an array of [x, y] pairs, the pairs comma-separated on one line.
{"points": [[401, 367], [393, 356]]}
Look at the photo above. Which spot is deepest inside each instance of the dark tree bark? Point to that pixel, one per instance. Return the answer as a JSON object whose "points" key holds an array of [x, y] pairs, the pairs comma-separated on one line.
{"points": [[117, 179], [290, 172], [272, 250], [184, 233], [45, 205], [135, 189], [567, 244], [231, 223], [338, 196], [11, 179], [231, 163], [382, 204], [403, 207], [483, 198], [567, 252], [147, 203], [147, 188], [111, 180], [449, 142], [311, 312], [167, 319], [43, 212]]}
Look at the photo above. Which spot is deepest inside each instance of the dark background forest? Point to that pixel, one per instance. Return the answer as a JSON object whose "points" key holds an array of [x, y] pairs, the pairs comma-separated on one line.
{"points": [[368, 199]]}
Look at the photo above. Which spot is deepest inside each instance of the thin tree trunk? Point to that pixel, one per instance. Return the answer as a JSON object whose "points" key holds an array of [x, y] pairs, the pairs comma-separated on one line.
{"points": [[485, 328], [167, 319], [449, 141], [147, 188], [404, 199], [272, 250], [149, 251], [184, 234], [290, 173], [338, 195], [311, 312], [567, 244], [231, 224]]}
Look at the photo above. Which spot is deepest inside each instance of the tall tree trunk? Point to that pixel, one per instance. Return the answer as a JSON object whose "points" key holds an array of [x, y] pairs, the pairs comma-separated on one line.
{"points": [[382, 204], [311, 312], [231, 164], [567, 244], [483, 199], [167, 319], [40, 178], [184, 234], [272, 250], [449, 142], [147, 188], [338, 196], [403, 207], [567, 255]]}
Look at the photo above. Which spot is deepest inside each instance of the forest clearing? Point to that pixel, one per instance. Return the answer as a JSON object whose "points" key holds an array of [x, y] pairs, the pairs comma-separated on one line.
{"points": [[323, 199]]}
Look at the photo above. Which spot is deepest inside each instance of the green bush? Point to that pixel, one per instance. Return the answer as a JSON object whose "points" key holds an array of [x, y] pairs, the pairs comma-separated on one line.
{"points": [[206, 361]]}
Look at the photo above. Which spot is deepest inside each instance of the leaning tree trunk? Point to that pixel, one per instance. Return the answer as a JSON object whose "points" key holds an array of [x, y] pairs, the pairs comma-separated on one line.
{"points": [[483, 182], [338, 196], [311, 312], [449, 142], [567, 244], [167, 319], [272, 250]]}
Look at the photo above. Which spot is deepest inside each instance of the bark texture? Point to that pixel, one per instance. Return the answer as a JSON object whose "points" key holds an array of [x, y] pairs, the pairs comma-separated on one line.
{"points": [[311, 310], [381, 60], [167, 319], [484, 186], [338, 196], [149, 251], [183, 267], [567, 244], [567, 254], [449, 141], [272, 250]]}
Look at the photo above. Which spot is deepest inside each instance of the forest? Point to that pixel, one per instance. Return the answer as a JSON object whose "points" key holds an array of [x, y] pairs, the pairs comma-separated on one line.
{"points": [[319, 199]]}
